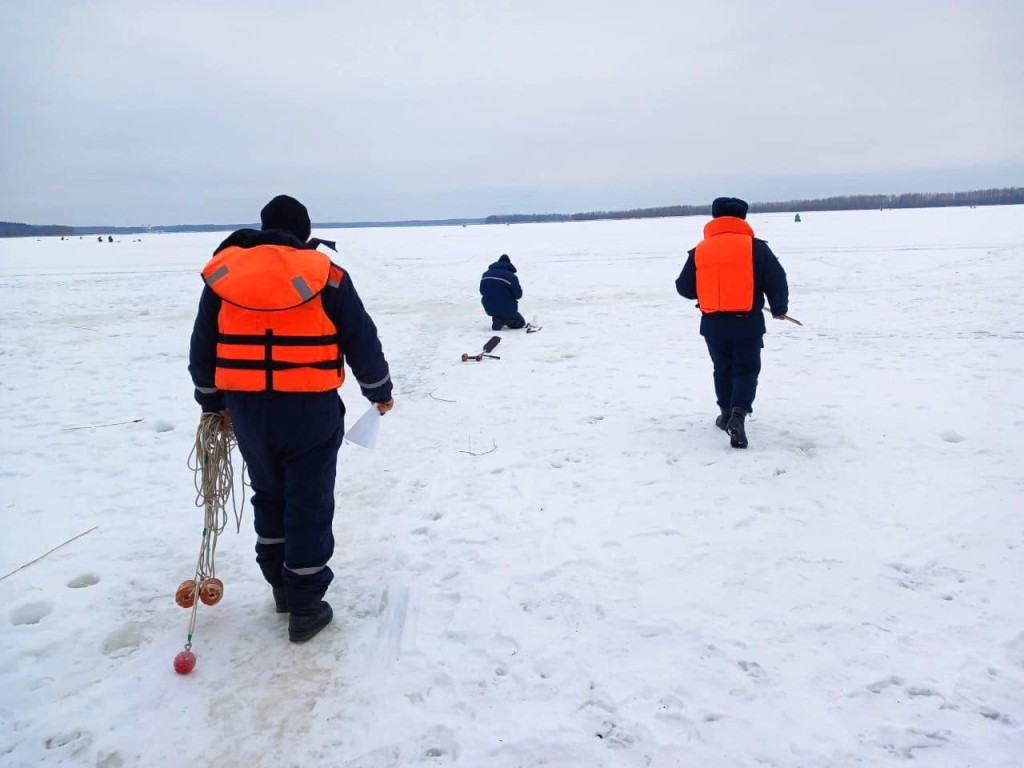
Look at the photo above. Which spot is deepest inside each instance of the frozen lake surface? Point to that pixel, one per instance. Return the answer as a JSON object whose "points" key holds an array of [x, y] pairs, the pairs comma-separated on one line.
{"points": [[553, 558]]}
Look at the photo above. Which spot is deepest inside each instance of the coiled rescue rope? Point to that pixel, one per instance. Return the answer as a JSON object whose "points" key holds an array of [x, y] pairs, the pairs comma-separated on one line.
{"points": [[214, 475]]}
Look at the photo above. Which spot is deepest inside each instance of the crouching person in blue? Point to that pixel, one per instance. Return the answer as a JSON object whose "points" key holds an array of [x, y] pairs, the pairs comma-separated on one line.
{"points": [[729, 273], [277, 320], [500, 293]]}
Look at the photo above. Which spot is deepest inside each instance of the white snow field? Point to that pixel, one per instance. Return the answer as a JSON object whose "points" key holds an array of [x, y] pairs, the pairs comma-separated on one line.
{"points": [[551, 559]]}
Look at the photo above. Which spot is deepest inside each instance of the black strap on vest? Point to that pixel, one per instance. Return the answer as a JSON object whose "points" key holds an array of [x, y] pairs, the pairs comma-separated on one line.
{"points": [[268, 341], [279, 340]]}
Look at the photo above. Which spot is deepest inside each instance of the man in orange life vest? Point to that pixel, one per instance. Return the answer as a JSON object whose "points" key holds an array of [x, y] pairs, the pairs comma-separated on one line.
{"points": [[276, 322], [729, 273]]}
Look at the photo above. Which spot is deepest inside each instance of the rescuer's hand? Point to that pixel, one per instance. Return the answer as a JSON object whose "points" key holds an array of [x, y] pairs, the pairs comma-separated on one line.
{"points": [[383, 408]]}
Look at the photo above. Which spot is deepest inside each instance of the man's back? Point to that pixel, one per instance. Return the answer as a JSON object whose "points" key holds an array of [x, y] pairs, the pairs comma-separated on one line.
{"points": [[500, 290]]}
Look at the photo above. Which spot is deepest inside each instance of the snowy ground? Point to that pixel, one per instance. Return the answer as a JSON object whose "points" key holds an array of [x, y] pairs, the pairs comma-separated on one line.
{"points": [[612, 585]]}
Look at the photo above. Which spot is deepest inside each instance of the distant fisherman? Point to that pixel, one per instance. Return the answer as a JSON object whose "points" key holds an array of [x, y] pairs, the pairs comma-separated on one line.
{"points": [[729, 273], [500, 293], [276, 322]]}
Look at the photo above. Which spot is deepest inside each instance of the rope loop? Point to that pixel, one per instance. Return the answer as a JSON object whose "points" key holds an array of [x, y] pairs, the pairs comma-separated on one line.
{"points": [[210, 461]]}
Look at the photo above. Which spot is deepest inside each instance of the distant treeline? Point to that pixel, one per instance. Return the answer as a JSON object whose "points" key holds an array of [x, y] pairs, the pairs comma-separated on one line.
{"points": [[1008, 196], [12, 229]]}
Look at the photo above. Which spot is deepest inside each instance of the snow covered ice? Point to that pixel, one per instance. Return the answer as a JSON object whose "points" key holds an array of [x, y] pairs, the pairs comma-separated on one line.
{"points": [[554, 558]]}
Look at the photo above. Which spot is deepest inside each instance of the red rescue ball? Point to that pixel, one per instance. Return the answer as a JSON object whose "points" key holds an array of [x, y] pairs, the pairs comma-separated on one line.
{"points": [[184, 662]]}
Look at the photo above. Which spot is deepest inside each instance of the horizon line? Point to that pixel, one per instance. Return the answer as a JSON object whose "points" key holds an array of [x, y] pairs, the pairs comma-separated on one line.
{"points": [[483, 219]]}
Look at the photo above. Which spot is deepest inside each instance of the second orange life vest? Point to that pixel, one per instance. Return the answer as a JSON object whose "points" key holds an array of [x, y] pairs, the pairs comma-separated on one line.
{"points": [[725, 266]]}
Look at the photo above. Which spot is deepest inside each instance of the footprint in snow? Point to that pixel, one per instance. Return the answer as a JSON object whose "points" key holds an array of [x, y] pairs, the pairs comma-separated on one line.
{"points": [[124, 641], [110, 760], [753, 669], [85, 580], [30, 613], [993, 714], [880, 685], [73, 738], [615, 736], [440, 744]]}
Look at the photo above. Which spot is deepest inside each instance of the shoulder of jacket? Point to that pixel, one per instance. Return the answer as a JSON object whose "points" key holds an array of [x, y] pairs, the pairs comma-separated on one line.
{"points": [[335, 275]]}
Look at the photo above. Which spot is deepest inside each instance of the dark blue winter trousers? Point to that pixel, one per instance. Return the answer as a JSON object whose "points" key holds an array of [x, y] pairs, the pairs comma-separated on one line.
{"points": [[290, 443], [514, 321], [737, 364]]}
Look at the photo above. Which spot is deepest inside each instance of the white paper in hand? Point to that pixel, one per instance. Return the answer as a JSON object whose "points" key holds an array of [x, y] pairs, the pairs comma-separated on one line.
{"points": [[364, 432]]}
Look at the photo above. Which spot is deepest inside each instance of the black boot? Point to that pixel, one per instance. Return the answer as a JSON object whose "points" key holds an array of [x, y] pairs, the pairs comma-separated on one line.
{"points": [[723, 420], [302, 626], [280, 600], [496, 324], [737, 433]]}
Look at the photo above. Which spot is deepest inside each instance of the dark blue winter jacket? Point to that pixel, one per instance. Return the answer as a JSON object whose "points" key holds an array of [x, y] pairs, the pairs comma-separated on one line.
{"points": [[500, 290], [769, 280], [357, 333]]}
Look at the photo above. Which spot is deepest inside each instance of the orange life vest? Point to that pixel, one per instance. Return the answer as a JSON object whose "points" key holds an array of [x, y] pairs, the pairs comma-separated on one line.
{"points": [[273, 332], [725, 266]]}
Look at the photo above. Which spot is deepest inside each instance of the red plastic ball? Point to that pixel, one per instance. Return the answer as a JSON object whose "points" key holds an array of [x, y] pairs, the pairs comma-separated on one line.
{"points": [[184, 662]]}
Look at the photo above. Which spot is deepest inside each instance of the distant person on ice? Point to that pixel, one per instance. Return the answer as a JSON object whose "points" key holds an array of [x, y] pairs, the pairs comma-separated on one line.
{"points": [[500, 293], [276, 321], [729, 273]]}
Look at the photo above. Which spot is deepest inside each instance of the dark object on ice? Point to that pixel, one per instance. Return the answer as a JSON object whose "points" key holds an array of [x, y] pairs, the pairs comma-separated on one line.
{"points": [[736, 429], [305, 624], [110, 238], [723, 419], [488, 347], [797, 218], [729, 206], [466, 357]]}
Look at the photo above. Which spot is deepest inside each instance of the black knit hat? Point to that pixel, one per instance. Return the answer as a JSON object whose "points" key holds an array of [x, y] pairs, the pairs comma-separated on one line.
{"points": [[729, 206], [504, 259], [285, 212]]}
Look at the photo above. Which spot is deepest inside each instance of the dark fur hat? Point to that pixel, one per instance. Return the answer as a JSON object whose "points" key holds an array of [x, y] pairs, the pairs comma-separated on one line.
{"points": [[729, 206]]}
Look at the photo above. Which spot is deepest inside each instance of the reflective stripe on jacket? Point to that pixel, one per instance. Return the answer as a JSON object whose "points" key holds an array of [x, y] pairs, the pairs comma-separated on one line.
{"points": [[725, 266], [273, 332]]}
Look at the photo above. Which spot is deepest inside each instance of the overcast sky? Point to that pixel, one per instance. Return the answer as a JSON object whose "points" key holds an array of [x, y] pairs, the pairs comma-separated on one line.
{"points": [[145, 112]]}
